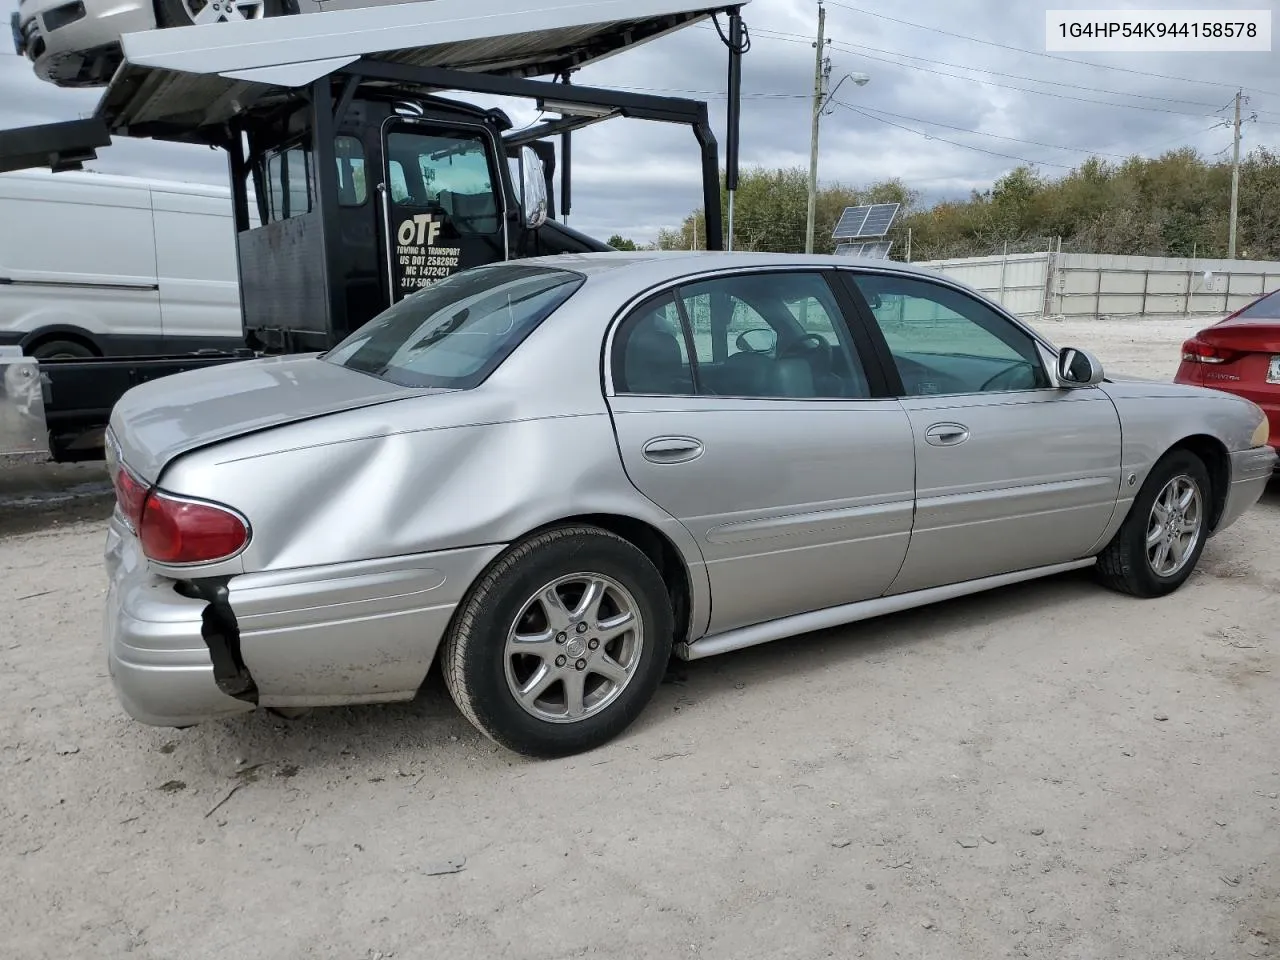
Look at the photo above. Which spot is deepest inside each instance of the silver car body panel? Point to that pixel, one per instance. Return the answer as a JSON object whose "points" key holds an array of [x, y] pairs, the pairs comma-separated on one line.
{"points": [[233, 399], [829, 507], [1033, 483], [352, 632], [157, 658], [374, 508]]}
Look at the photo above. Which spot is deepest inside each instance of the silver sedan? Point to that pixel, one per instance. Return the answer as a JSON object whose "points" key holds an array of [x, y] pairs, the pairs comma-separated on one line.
{"points": [[549, 475]]}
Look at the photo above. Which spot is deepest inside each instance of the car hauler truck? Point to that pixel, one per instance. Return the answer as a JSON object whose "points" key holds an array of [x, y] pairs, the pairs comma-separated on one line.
{"points": [[353, 181]]}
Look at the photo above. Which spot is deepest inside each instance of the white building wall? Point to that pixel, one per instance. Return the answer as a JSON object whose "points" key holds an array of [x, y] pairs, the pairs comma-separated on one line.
{"points": [[1032, 285]]}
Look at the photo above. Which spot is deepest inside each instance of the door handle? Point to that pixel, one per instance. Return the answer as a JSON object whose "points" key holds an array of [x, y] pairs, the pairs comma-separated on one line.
{"points": [[946, 434], [672, 449]]}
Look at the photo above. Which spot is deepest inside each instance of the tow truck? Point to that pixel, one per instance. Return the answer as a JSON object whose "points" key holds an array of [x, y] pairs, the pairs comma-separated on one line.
{"points": [[354, 181]]}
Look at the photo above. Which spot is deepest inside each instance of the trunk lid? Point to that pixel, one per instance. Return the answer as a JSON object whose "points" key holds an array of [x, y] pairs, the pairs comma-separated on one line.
{"points": [[163, 418], [1248, 335]]}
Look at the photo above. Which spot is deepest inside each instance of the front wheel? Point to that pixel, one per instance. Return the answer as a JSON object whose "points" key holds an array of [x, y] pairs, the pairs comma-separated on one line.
{"points": [[185, 13], [561, 644], [1158, 545]]}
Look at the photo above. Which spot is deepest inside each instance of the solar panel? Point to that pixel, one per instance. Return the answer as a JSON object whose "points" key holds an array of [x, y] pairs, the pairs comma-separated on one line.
{"points": [[868, 220], [872, 249]]}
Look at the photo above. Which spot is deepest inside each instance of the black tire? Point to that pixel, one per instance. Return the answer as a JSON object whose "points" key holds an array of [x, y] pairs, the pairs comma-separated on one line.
{"points": [[56, 349], [473, 654], [1124, 564]]}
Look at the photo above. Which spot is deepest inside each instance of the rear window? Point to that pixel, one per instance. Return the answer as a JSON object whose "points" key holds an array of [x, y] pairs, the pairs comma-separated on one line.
{"points": [[1266, 308], [456, 332]]}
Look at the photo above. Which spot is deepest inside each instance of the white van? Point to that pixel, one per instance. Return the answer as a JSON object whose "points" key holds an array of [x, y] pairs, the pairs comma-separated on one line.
{"points": [[98, 265]]}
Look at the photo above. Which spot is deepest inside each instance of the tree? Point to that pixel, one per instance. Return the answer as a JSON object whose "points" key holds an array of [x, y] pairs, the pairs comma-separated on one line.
{"points": [[619, 242], [1172, 205], [771, 208]]}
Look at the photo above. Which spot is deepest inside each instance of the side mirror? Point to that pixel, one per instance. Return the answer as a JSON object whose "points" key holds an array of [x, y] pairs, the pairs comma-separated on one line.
{"points": [[757, 340], [533, 189], [1078, 368]]}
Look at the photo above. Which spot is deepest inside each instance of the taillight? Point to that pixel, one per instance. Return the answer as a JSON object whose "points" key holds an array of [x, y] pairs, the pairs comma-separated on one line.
{"points": [[180, 531], [131, 494], [1197, 351]]}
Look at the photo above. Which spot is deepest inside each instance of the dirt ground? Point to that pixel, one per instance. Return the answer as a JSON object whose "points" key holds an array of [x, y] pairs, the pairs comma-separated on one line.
{"points": [[1048, 771]]}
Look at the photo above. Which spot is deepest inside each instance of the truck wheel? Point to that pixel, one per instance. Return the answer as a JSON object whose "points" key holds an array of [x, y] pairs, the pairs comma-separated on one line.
{"points": [[184, 13], [60, 349], [1160, 541], [561, 644]]}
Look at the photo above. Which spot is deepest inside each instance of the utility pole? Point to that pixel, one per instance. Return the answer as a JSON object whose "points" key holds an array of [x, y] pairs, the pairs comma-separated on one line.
{"points": [[1235, 181], [819, 78]]}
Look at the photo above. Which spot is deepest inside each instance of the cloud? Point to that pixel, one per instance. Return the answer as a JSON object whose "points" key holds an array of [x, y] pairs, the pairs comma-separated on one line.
{"points": [[927, 88]]}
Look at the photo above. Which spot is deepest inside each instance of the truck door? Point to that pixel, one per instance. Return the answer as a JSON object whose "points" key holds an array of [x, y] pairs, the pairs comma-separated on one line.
{"points": [[443, 206]]}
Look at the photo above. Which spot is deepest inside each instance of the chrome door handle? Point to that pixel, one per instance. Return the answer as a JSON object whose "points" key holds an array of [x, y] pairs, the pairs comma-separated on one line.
{"points": [[946, 434], [672, 449]]}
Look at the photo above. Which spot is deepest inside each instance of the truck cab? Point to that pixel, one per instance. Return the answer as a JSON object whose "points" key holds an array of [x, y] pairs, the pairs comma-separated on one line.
{"points": [[354, 183], [418, 187]]}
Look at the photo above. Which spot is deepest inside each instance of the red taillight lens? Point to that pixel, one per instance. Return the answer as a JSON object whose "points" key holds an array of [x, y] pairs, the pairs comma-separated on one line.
{"points": [[175, 530], [1197, 351], [131, 494]]}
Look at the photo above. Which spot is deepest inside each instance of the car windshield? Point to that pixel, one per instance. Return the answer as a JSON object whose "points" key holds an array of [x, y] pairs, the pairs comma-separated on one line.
{"points": [[1264, 308], [456, 332]]}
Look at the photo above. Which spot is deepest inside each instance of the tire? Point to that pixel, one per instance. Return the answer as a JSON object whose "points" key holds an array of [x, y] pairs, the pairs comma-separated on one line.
{"points": [[57, 349], [482, 676], [182, 13], [1126, 564]]}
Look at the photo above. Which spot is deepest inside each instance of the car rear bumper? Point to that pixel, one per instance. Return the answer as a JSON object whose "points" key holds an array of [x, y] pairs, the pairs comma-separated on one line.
{"points": [[159, 663], [1250, 472], [360, 632]]}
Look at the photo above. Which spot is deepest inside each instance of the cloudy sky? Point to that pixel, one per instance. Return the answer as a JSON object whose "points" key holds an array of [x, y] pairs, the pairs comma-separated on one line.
{"points": [[961, 91]]}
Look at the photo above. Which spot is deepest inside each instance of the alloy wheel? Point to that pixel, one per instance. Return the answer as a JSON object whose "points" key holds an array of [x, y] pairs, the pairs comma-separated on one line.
{"points": [[1174, 526], [219, 11], [574, 647]]}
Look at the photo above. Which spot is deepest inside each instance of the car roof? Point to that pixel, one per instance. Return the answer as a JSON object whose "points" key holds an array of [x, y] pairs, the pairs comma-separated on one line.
{"points": [[656, 266]]}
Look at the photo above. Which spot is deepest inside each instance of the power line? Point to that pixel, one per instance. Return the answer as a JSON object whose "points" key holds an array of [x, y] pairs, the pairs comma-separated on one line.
{"points": [[997, 136], [955, 143], [1054, 83], [855, 47], [1043, 93], [1037, 53], [858, 50]]}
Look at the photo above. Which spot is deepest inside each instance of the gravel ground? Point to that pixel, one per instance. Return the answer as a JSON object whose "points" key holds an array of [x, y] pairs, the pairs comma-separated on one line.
{"points": [[1047, 771]]}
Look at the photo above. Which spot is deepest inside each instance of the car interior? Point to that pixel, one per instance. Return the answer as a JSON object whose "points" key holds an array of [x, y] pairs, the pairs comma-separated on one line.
{"points": [[749, 342]]}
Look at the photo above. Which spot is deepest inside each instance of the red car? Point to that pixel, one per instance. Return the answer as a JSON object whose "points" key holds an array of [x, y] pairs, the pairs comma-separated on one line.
{"points": [[1240, 355]]}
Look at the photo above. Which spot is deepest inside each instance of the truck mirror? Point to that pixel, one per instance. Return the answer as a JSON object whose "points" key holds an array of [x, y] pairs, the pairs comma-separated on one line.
{"points": [[533, 196]]}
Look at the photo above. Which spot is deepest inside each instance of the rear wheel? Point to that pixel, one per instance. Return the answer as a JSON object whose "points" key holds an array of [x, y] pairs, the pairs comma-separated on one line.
{"points": [[1158, 545], [184, 13], [561, 644], [61, 349]]}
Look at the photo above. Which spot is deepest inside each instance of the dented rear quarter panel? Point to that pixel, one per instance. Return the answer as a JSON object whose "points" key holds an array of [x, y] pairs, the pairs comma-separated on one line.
{"points": [[532, 445]]}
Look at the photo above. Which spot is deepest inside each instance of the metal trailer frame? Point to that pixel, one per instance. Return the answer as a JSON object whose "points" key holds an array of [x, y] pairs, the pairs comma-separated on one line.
{"points": [[202, 84]]}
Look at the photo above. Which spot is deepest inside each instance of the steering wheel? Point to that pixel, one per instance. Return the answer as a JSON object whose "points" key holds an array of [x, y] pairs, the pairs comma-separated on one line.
{"points": [[1018, 366], [819, 343]]}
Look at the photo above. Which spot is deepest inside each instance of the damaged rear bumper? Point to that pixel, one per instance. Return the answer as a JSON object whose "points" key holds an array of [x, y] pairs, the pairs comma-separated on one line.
{"points": [[157, 656], [359, 632]]}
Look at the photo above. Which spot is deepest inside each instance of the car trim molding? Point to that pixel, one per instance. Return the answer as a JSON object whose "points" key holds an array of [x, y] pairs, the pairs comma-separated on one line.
{"points": [[862, 610]]}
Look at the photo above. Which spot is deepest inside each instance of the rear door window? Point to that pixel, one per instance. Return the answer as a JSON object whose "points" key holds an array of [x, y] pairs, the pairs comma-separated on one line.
{"points": [[1266, 308]]}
